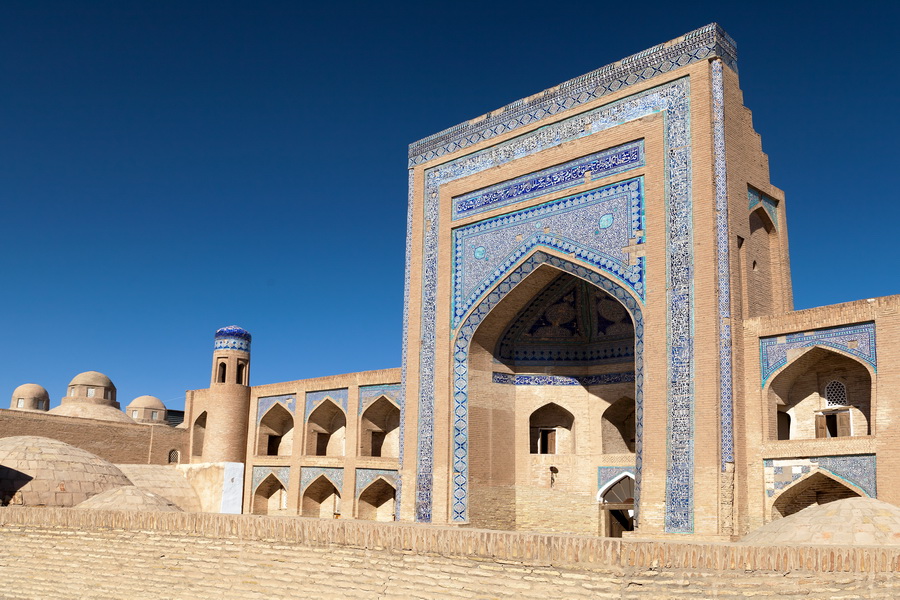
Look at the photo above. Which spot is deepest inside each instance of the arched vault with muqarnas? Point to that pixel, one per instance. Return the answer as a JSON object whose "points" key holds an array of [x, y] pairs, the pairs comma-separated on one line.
{"points": [[537, 362]]}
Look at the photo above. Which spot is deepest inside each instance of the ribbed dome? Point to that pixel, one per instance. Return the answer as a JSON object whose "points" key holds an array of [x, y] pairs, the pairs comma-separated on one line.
{"points": [[92, 378], [39, 471], [129, 498], [848, 522], [147, 402]]}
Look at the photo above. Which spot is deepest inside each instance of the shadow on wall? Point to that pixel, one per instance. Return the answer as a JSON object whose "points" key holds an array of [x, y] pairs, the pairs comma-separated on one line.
{"points": [[11, 481]]}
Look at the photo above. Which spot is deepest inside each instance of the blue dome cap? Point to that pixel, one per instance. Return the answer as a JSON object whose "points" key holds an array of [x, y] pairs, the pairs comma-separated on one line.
{"points": [[233, 338]]}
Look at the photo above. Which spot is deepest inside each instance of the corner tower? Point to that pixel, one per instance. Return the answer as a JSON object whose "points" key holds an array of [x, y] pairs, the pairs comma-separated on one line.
{"points": [[220, 430]]}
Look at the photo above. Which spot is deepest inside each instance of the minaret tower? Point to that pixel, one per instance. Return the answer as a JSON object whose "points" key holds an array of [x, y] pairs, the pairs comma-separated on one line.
{"points": [[228, 406]]}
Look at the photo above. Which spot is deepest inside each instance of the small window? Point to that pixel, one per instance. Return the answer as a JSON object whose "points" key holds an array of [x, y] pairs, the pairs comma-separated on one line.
{"points": [[71, 391], [20, 403], [42, 404], [90, 392], [107, 394], [836, 394], [134, 414], [174, 456], [154, 415], [547, 443], [221, 376]]}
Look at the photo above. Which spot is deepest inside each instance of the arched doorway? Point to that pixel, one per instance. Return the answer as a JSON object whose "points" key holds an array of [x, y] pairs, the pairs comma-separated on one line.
{"points": [[275, 436], [617, 506], [377, 501], [270, 497], [325, 430], [820, 394], [321, 499], [562, 334], [818, 488], [380, 429]]}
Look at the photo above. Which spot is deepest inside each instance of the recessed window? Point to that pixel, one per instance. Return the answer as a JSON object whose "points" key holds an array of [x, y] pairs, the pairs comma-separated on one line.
{"points": [[90, 392], [836, 394], [107, 394], [71, 391], [547, 442], [20, 403], [154, 415], [134, 414]]}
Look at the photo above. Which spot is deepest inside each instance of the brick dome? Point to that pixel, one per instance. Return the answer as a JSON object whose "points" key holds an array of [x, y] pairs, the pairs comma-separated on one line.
{"points": [[38, 471], [848, 522]]}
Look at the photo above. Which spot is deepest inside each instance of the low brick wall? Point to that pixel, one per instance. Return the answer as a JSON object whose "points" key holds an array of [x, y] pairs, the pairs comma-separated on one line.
{"points": [[508, 546]]}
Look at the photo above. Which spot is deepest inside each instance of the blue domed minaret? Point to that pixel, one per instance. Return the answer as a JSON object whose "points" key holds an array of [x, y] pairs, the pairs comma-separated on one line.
{"points": [[228, 411]]}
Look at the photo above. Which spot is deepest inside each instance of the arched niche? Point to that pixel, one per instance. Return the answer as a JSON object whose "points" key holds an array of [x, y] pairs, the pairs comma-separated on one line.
{"points": [[525, 346], [380, 429], [551, 430], [618, 427], [377, 501], [198, 434], [761, 251], [321, 499], [819, 487], [798, 397], [270, 497], [325, 430], [275, 435]]}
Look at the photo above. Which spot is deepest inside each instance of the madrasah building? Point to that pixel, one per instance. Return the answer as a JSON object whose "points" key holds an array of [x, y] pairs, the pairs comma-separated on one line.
{"points": [[598, 337]]}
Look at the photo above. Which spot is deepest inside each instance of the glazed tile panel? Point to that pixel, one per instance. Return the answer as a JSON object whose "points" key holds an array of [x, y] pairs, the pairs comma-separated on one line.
{"points": [[857, 469], [596, 226], [582, 380], [592, 167], [856, 340], [288, 401], [723, 270], [260, 473]]}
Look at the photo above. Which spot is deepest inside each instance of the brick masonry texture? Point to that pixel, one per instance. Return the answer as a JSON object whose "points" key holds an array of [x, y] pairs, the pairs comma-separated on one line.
{"points": [[57, 553]]}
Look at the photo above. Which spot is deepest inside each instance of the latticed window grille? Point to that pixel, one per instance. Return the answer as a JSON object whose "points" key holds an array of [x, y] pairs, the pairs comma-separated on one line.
{"points": [[836, 394]]}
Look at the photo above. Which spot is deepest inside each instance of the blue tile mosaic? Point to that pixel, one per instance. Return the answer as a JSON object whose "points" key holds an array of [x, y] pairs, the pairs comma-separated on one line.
{"points": [[260, 473], [460, 439], [288, 401], [232, 338], [366, 476], [698, 45], [484, 251], [582, 380], [313, 399], [858, 470], [310, 474], [723, 270], [770, 205], [569, 322], [592, 167], [672, 98], [370, 393], [856, 340]]}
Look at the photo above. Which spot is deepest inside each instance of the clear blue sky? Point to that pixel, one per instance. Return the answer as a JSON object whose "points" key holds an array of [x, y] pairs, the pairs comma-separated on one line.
{"points": [[171, 167]]}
